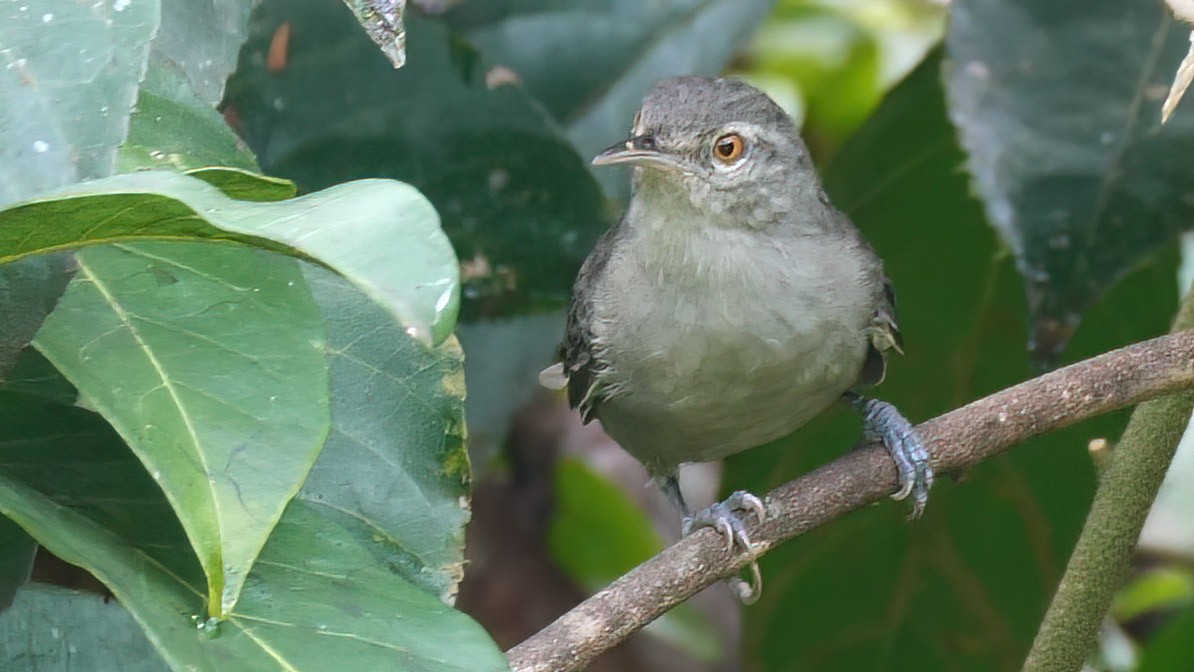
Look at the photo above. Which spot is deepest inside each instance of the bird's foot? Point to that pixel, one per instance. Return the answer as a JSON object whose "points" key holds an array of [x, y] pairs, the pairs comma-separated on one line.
{"points": [[723, 517], [882, 422]]}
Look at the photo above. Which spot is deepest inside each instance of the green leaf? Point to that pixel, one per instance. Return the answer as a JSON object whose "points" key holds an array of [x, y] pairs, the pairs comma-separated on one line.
{"points": [[323, 594], [964, 587], [395, 458], [1077, 173], [592, 63], [517, 202], [29, 290], [385, 237], [16, 561], [51, 628], [68, 85], [1154, 590], [208, 360], [199, 41], [173, 127], [244, 185]]}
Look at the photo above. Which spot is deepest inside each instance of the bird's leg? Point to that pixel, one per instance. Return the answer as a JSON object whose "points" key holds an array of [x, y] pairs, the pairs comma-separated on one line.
{"points": [[882, 422], [722, 517]]}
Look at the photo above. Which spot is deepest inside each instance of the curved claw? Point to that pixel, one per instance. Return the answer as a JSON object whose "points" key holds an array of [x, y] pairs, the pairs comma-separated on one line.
{"points": [[881, 421], [748, 592], [722, 517]]}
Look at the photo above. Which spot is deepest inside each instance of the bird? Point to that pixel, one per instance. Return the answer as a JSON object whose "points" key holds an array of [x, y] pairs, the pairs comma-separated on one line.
{"points": [[732, 303]]}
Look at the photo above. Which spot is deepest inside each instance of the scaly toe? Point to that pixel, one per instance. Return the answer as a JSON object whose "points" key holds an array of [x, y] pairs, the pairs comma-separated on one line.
{"points": [[724, 518]]}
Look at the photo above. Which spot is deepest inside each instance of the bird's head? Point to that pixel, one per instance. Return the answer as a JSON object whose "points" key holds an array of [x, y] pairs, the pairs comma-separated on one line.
{"points": [[726, 146]]}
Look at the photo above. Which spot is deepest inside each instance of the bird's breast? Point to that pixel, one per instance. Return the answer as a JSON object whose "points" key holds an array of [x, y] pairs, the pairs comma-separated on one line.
{"points": [[724, 341]]}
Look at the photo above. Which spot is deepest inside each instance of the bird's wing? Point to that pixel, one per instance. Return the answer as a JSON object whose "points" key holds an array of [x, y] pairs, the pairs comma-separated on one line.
{"points": [[578, 366]]}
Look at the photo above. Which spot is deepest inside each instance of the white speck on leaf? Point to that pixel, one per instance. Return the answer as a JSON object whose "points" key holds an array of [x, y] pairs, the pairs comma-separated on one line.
{"points": [[41, 146], [120, 5]]}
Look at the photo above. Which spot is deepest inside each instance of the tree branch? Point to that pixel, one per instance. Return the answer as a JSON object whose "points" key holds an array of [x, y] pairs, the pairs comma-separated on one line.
{"points": [[958, 440], [1104, 551]]}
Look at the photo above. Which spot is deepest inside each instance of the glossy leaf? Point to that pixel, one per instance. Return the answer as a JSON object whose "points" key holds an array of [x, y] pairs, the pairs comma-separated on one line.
{"points": [[208, 360], [1068, 152], [173, 127], [322, 595], [29, 290], [51, 628], [67, 88], [16, 561], [395, 458], [386, 236], [516, 200], [965, 586], [199, 41]]}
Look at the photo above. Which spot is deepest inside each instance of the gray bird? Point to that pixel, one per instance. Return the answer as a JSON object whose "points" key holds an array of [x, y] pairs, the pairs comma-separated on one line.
{"points": [[732, 303]]}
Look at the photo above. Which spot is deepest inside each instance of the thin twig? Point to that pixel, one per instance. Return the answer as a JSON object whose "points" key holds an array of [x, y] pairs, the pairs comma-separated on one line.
{"points": [[958, 440]]}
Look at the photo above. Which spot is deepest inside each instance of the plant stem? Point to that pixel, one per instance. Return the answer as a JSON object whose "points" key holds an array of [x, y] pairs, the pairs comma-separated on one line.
{"points": [[1103, 554]]}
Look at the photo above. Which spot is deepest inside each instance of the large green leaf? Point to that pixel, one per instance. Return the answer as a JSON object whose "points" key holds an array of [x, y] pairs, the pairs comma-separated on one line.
{"points": [[591, 63], [50, 628], [16, 561], [29, 290], [395, 458], [964, 587], [385, 236], [199, 41], [173, 127], [324, 594], [1058, 104], [208, 359], [66, 89], [516, 200]]}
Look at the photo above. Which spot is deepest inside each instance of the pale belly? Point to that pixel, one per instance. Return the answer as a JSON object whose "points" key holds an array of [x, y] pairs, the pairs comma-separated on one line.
{"points": [[699, 375]]}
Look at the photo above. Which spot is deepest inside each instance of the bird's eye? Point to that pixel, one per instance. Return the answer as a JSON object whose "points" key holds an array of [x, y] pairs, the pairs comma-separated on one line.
{"points": [[729, 148]]}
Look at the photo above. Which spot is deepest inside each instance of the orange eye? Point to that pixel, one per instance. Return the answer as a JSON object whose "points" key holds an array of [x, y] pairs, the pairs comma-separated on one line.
{"points": [[728, 148]]}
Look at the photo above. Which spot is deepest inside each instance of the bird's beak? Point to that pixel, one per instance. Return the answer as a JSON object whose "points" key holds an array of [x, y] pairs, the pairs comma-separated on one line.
{"points": [[638, 150]]}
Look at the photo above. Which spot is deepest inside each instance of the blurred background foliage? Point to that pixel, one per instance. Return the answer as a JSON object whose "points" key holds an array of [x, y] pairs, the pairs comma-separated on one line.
{"points": [[962, 140]]}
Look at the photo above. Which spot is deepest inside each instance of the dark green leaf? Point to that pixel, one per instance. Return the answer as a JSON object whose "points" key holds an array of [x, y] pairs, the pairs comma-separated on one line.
{"points": [[68, 85], [964, 587], [395, 458], [1058, 104], [208, 360], [16, 561], [50, 628], [324, 594], [29, 290], [592, 63], [517, 202], [386, 236]]}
